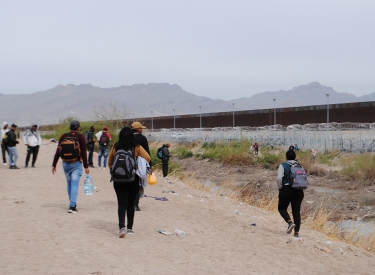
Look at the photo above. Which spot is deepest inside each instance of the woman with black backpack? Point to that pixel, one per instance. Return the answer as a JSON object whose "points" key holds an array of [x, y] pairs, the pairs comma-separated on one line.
{"points": [[126, 191]]}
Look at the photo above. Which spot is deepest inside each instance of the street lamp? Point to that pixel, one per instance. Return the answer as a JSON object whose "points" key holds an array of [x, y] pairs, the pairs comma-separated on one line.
{"points": [[174, 120], [274, 111], [233, 115], [327, 115], [152, 121], [200, 116], [327, 109]]}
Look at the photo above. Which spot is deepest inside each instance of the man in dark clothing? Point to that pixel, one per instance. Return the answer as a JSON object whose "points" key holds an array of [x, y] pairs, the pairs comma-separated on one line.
{"points": [[165, 159], [72, 168], [141, 140], [12, 142], [90, 145]]}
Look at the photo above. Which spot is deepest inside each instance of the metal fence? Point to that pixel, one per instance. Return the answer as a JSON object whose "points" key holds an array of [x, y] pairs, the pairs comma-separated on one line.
{"points": [[349, 137]]}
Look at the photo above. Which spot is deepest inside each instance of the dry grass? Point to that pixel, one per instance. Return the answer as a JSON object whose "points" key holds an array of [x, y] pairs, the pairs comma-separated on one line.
{"points": [[318, 216]]}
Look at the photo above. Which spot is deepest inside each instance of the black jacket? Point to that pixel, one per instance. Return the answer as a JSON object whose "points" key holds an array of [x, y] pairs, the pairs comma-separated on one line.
{"points": [[12, 138], [166, 154], [142, 140]]}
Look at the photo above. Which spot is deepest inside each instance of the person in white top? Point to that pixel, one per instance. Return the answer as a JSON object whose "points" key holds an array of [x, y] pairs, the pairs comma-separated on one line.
{"points": [[4, 147], [32, 140]]}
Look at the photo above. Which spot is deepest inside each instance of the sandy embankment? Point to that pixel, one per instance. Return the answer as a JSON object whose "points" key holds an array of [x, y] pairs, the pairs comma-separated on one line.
{"points": [[38, 236]]}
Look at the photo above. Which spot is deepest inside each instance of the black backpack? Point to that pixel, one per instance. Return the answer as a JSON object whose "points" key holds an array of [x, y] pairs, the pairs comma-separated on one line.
{"points": [[70, 150], [124, 166], [104, 139], [159, 153]]}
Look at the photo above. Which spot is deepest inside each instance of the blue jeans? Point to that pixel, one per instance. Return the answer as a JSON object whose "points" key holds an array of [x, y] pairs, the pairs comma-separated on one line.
{"points": [[73, 173], [12, 151], [102, 151]]}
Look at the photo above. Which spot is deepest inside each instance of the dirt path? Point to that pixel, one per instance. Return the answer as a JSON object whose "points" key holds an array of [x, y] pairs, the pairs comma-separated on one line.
{"points": [[38, 236]]}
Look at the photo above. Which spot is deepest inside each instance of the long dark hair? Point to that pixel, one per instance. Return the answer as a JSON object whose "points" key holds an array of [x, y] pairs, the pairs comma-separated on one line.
{"points": [[126, 139]]}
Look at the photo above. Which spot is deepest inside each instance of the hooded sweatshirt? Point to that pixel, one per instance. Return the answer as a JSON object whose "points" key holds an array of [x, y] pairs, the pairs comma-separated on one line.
{"points": [[2, 131], [281, 174], [32, 137]]}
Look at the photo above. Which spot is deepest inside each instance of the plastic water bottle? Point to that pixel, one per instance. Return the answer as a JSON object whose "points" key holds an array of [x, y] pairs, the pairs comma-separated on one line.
{"points": [[89, 186], [179, 233]]}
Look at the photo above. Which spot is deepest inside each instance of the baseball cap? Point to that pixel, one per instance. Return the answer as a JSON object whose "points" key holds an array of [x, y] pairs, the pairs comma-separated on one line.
{"points": [[137, 125], [74, 125]]}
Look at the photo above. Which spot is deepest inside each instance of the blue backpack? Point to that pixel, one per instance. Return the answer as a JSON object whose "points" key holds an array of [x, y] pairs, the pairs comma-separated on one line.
{"points": [[159, 153]]}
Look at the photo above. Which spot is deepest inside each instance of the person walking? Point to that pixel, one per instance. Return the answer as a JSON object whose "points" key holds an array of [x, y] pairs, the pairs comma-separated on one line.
{"points": [[140, 139], [4, 147], [72, 166], [165, 158], [313, 156], [289, 195], [126, 192], [32, 139], [90, 145], [256, 148], [12, 151], [104, 137]]}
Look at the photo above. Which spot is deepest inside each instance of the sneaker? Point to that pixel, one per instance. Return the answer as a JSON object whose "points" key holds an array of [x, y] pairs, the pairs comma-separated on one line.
{"points": [[5, 164], [129, 231], [15, 167], [104, 167], [11, 167], [91, 166], [122, 233], [136, 208], [73, 209], [291, 226], [296, 235], [33, 166], [99, 167]]}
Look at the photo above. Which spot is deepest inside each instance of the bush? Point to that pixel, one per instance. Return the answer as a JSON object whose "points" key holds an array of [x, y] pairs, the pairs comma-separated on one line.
{"points": [[233, 153], [269, 159], [361, 168], [183, 152]]}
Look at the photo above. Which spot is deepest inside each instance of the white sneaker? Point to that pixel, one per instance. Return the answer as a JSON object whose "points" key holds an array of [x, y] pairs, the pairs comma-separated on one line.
{"points": [[5, 164], [122, 233], [99, 167], [104, 168]]}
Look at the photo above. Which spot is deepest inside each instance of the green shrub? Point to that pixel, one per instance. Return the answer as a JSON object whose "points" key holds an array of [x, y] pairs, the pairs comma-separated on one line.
{"points": [[361, 168], [269, 159], [327, 157], [183, 152]]}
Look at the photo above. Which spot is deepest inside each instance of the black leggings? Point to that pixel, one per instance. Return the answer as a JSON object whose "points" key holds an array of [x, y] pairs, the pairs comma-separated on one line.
{"points": [[126, 193], [294, 196], [4, 149], [32, 150]]}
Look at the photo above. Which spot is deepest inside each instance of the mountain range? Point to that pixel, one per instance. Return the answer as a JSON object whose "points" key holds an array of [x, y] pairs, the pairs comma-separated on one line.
{"points": [[87, 102]]}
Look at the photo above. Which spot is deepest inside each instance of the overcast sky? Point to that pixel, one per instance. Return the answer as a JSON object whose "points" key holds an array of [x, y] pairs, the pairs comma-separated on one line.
{"points": [[219, 49]]}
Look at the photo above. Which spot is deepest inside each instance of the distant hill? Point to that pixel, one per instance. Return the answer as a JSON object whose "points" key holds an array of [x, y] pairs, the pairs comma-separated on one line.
{"points": [[304, 95], [139, 100]]}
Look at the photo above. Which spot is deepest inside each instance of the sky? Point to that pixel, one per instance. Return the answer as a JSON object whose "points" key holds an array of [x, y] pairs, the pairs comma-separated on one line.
{"points": [[218, 49]]}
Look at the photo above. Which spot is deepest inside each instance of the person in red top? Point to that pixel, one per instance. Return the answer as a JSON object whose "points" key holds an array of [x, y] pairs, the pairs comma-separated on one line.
{"points": [[73, 169]]}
